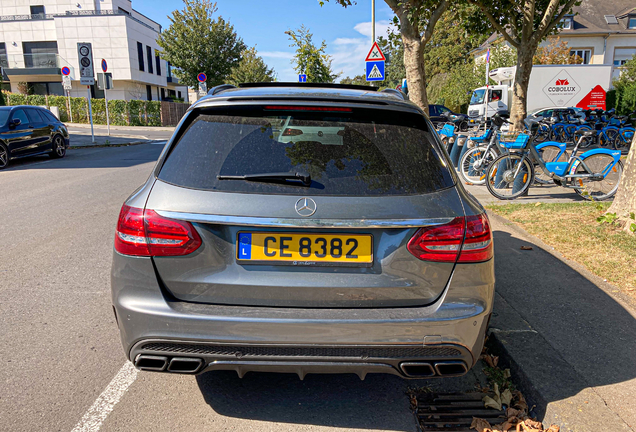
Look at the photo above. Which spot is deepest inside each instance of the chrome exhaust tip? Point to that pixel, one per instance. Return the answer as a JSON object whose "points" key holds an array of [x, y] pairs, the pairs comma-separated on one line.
{"points": [[450, 369], [185, 365], [151, 363], [417, 369]]}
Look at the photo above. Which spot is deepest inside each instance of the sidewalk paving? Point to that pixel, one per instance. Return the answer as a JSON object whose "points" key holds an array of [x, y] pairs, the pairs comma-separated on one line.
{"points": [[568, 337]]}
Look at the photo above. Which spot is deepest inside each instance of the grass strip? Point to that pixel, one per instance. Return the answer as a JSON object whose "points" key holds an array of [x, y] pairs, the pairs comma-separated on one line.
{"points": [[572, 229]]}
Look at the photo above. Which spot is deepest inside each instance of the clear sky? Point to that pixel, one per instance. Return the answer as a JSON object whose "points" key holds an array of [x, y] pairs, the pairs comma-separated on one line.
{"points": [[263, 23]]}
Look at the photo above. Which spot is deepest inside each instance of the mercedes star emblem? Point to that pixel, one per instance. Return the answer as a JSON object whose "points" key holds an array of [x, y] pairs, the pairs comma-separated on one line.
{"points": [[305, 207]]}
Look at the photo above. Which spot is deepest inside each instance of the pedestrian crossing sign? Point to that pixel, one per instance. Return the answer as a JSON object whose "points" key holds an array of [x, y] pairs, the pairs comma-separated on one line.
{"points": [[375, 71]]}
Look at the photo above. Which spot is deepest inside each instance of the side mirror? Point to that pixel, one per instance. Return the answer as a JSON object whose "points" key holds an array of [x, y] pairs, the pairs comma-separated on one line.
{"points": [[15, 122]]}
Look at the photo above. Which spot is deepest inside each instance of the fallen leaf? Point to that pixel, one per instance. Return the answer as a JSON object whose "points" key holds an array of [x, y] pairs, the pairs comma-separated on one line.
{"points": [[492, 403], [480, 425], [533, 424], [520, 403], [537, 204], [512, 412], [490, 360], [506, 397], [553, 428], [506, 373], [526, 248]]}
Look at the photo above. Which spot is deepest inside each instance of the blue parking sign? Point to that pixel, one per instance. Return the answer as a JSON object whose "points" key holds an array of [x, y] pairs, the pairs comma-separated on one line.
{"points": [[302, 78], [375, 71]]}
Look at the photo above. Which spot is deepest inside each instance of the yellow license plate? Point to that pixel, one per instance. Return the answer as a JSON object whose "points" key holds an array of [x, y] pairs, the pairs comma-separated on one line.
{"points": [[304, 249]]}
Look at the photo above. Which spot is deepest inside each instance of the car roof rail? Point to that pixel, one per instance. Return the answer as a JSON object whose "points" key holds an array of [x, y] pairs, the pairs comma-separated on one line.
{"points": [[220, 88], [395, 92], [306, 84]]}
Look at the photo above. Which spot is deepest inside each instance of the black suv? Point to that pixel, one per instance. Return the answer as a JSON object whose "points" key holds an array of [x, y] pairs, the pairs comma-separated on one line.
{"points": [[28, 131]]}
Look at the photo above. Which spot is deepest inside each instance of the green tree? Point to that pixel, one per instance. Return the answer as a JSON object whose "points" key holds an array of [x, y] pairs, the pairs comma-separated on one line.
{"points": [[195, 42], [417, 21], [252, 69], [310, 59], [356, 80], [524, 24]]}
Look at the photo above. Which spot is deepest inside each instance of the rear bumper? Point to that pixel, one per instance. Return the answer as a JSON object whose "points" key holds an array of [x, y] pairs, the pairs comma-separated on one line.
{"points": [[441, 339]]}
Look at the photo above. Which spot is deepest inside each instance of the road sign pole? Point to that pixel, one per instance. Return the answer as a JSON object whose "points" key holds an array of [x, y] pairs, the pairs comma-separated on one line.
{"points": [[107, 119], [373, 20], [70, 109], [90, 113]]}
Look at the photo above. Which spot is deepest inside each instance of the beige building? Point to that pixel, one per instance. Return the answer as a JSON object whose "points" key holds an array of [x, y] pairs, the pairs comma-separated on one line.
{"points": [[600, 32], [39, 37]]}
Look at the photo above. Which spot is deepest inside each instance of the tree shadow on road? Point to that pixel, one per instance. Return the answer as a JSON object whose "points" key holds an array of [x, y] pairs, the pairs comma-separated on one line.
{"points": [[588, 337]]}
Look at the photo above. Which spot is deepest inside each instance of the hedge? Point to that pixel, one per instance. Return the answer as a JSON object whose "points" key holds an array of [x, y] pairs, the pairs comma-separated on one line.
{"points": [[120, 112]]}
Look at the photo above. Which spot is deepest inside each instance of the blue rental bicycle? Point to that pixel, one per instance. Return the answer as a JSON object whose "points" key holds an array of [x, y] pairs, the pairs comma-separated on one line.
{"points": [[594, 175]]}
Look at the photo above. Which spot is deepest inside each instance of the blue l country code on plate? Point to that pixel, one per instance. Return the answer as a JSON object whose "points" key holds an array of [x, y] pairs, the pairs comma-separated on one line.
{"points": [[245, 246]]}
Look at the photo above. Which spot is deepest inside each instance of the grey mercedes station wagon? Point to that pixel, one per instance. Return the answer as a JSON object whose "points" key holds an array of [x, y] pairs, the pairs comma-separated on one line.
{"points": [[307, 229]]}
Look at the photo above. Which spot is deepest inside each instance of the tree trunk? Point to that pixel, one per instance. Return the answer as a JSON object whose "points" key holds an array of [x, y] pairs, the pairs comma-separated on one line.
{"points": [[518, 109], [415, 75], [625, 199]]}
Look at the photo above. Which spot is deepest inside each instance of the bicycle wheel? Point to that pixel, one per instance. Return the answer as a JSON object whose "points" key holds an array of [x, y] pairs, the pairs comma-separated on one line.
{"points": [[474, 164], [608, 138], [600, 190], [501, 180], [548, 153], [543, 133], [624, 141]]}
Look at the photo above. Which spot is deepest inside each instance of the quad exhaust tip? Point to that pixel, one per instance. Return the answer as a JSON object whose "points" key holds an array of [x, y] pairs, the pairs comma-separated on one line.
{"points": [[163, 364], [151, 363], [427, 370], [185, 365]]}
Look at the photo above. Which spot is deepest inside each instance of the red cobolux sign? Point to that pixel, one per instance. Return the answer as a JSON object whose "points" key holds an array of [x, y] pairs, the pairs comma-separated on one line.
{"points": [[594, 99]]}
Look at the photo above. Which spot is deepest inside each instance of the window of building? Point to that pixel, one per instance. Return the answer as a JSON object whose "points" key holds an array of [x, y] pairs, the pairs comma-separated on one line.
{"points": [[40, 54], [584, 54], [623, 55], [631, 22], [46, 88], [4, 62], [163, 94], [37, 10], [140, 56], [158, 64], [567, 22], [149, 54], [179, 93], [148, 92]]}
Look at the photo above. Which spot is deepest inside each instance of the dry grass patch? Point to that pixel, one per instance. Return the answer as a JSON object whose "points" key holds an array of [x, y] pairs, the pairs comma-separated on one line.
{"points": [[572, 229]]}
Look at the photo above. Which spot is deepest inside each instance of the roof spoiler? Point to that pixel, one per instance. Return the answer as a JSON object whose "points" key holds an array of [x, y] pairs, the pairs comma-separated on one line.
{"points": [[311, 85], [220, 88]]}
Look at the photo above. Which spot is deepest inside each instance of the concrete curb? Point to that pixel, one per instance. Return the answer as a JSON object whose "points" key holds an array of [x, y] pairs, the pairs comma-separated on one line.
{"points": [[559, 393]]}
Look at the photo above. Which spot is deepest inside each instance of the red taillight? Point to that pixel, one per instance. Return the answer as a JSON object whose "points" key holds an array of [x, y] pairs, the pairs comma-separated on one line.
{"points": [[477, 245], [292, 132], [146, 233], [443, 243]]}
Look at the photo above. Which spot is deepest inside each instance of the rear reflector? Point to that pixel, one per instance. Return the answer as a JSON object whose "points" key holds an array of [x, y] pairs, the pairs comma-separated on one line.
{"points": [[464, 239], [305, 108], [146, 233], [292, 132]]}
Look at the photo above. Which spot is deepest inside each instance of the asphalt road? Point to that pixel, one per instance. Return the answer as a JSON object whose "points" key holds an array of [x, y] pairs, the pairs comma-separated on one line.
{"points": [[63, 368]]}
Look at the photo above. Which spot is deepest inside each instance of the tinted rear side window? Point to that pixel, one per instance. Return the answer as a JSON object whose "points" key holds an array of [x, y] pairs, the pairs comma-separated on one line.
{"points": [[359, 153]]}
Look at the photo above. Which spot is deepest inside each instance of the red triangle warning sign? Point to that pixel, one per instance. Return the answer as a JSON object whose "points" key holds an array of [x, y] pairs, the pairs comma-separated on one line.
{"points": [[375, 54]]}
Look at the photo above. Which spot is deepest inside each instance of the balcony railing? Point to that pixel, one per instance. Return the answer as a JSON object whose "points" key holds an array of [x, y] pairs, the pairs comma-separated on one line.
{"points": [[4, 61], [36, 61], [29, 17]]}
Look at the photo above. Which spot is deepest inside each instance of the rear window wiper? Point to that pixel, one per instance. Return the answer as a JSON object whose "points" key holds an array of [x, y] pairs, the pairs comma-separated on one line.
{"points": [[265, 177]]}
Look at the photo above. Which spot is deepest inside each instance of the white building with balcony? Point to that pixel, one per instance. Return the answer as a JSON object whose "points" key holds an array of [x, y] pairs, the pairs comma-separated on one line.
{"points": [[39, 37]]}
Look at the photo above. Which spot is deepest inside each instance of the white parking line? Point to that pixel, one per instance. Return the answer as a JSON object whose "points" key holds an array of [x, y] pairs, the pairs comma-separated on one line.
{"points": [[104, 404]]}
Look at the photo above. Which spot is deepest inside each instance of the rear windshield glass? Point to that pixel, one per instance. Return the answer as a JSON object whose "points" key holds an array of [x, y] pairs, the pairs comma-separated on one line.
{"points": [[361, 152]]}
